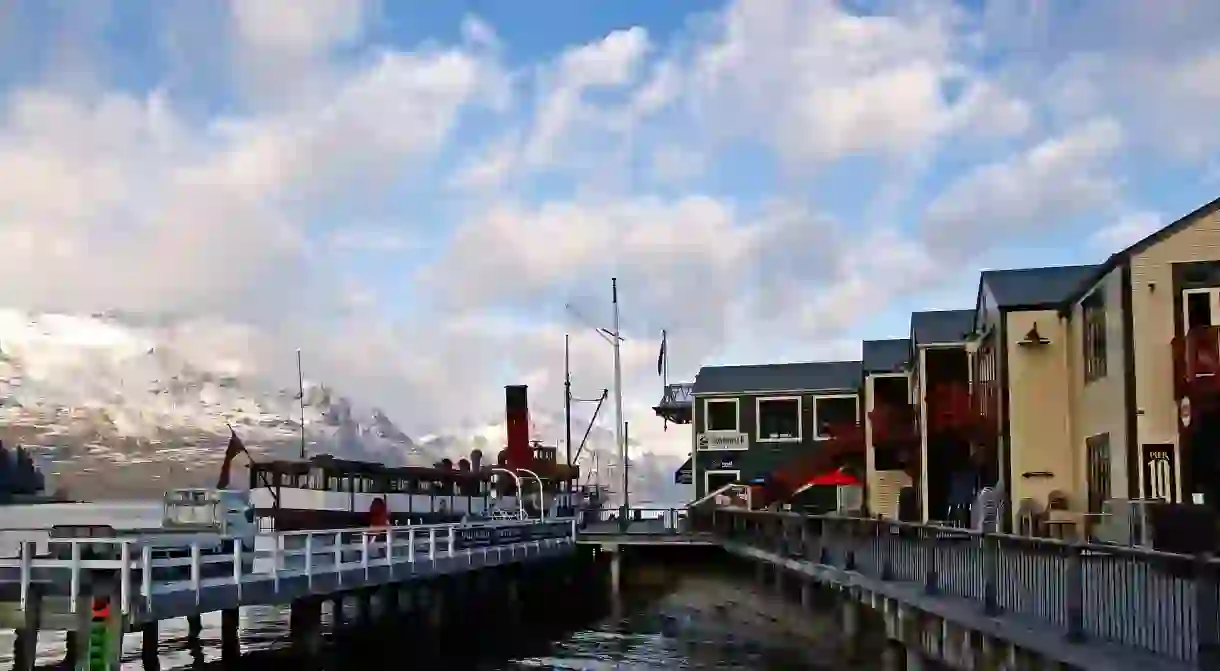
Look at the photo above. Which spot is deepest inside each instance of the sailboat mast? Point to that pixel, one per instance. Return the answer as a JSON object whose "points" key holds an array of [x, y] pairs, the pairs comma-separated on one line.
{"points": [[301, 397]]}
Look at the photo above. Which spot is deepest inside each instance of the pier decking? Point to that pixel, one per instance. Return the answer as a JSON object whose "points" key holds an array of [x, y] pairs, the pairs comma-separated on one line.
{"points": [[971, 600], [62, 592]]}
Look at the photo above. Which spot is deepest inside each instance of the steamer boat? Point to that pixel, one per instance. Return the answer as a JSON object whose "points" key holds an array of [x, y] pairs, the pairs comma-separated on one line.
{"points": [[326, 492]]}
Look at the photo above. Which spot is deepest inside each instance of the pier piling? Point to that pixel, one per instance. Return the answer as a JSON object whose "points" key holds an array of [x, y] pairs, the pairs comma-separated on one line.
{"points": [[149, 640], [230, 633], [25, 645]]}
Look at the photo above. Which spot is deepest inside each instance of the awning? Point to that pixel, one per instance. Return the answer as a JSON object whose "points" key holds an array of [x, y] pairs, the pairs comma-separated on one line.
{"points": [[836, 478], [685, 475]]}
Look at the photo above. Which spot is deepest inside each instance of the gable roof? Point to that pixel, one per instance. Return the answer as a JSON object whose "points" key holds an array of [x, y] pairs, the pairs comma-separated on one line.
{"points": [[1118, 258], [813, 376], [886, 356], [941, 326], [1034, 288]]}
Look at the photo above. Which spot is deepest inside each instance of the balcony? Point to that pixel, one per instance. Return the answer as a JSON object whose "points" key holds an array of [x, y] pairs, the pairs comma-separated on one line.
{"points": [[893, 425], [954, 410], [1196, 361]]}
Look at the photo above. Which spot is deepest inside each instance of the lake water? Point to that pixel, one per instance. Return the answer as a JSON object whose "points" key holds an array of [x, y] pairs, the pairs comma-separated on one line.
{"points": [[701, 619]]}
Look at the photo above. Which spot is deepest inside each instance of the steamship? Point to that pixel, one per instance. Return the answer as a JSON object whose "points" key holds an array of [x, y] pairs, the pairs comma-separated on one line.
{"points": [[326, 492]]}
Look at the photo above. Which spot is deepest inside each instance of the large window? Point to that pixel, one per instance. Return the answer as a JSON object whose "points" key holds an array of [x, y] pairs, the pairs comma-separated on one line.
{"points": [[1094, 324], [832, 411], [779, 419], [1097, 450], [713, 480], [720, 414]]}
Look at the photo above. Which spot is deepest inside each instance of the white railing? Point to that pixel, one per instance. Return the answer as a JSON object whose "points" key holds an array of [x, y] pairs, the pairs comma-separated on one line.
{"points": [[293, 554]]}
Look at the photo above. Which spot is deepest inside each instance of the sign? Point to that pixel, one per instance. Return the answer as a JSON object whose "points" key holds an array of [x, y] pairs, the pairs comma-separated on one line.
{"points": [[723, 440], [685, 475], [727, 462], [1160, 480], [1184, 411]]}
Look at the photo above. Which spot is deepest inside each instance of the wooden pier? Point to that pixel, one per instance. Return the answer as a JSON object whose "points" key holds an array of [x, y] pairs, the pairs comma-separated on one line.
{"points": [[100, 599], [968, 600]]}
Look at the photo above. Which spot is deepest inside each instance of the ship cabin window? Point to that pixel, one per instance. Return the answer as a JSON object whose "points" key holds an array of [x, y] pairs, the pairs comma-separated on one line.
{"points": [[317, 478]]}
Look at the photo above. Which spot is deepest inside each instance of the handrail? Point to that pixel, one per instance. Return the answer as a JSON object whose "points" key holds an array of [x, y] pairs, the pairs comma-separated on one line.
{"points": [[292, 554], [1148, 600]]}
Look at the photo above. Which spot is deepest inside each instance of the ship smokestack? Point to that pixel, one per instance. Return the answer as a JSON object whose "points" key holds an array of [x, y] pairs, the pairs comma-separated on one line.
{"points": [[476, 460], [517, 416]]}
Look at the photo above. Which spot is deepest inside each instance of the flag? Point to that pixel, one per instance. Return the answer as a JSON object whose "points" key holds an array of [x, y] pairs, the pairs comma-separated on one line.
{"points": [[661, 355], [234, 448]]}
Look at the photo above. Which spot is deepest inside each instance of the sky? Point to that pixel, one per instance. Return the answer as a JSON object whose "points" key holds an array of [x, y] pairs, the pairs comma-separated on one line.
{"points": [[411, 192]]}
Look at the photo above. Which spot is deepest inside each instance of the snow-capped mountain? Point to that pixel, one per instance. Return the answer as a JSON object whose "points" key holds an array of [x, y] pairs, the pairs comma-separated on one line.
{"points": [[111, 405]]}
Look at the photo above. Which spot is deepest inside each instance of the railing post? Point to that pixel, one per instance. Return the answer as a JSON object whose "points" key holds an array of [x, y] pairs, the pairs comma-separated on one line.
{"points": [[27, 556], [237, 572], [309, 559], [145, 574], [364, 553], [195, 569], [931, 580], [389, 549], [452, 539], [125, 577], [432, 543], [991, 569], [411, 545], [1207, 613], [1074, 585], [75, 579], [338, 554]]}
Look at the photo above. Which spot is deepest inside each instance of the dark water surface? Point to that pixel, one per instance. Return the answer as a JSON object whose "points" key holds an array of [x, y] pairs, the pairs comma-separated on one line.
{"points": [[667, 618]]}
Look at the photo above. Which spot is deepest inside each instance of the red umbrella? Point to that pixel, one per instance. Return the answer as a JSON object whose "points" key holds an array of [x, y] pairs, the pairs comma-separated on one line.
{"points": [[836, 478]]}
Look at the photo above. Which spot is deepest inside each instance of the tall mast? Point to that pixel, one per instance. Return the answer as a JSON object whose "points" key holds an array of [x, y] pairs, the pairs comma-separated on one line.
{"points": [[301, 397], [567, 393], [618, 392]]}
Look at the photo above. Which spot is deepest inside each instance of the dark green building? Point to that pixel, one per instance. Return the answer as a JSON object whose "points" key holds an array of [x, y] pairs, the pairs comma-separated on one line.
{"points": [[751, 421]]}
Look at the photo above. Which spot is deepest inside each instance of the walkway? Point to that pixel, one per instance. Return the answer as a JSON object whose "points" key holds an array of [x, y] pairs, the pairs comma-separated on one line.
{"points": [[1090, 606], [283, 567], [642, 526]]}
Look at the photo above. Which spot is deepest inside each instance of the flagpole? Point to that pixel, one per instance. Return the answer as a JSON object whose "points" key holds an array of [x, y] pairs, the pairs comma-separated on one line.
{"points": [[301, 396]]}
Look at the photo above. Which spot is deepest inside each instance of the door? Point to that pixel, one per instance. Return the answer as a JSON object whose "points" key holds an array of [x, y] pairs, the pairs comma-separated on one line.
{"points": [[1159, 471], [1200, 313]]}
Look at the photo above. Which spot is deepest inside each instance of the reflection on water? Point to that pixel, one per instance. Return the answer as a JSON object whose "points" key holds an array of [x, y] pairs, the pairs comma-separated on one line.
{"points": [[702, 620]]}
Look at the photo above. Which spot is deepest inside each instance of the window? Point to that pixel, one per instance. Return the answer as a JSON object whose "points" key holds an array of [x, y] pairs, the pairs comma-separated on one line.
{"points": [[1097, 449], [1093, 309], [720, 415], [779, 419], [830, 411], [713, 480]]}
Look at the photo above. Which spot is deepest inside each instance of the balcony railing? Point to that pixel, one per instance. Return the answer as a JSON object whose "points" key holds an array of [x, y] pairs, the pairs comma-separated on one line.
{"points": [[893, 425], [952, 408], [1196, 358]]}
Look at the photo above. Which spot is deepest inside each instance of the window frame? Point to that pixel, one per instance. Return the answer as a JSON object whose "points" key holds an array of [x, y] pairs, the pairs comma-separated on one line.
{"points": [[1094, 337], [800, 409], [817, 425], [707, 415], [735, 472], [1099, 462]]}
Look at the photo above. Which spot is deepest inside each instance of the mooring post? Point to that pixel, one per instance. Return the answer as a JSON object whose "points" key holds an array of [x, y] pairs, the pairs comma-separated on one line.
{"points": [[149, 640], [194, 627], [338, 618], [25, 645], [305, 625], [230, 633]]}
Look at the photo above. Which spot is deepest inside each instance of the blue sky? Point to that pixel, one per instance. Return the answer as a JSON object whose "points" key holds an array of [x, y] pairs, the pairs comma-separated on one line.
{"points": [[412, 191]]}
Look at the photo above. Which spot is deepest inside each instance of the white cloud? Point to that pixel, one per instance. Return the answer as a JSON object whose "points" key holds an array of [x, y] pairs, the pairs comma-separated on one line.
{"points": [[209, 203]]}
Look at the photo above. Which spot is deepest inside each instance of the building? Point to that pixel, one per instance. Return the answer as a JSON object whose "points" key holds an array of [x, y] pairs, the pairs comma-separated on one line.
{"points": [[754, 423], [1074, 383], [950, 426], [892, 441], [1021, 380], [1145, 354]]}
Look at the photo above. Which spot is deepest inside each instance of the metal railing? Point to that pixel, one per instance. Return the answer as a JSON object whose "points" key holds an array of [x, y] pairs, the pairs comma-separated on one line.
{"points": [[1157, 602], [144, 570], [637, 520]]}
